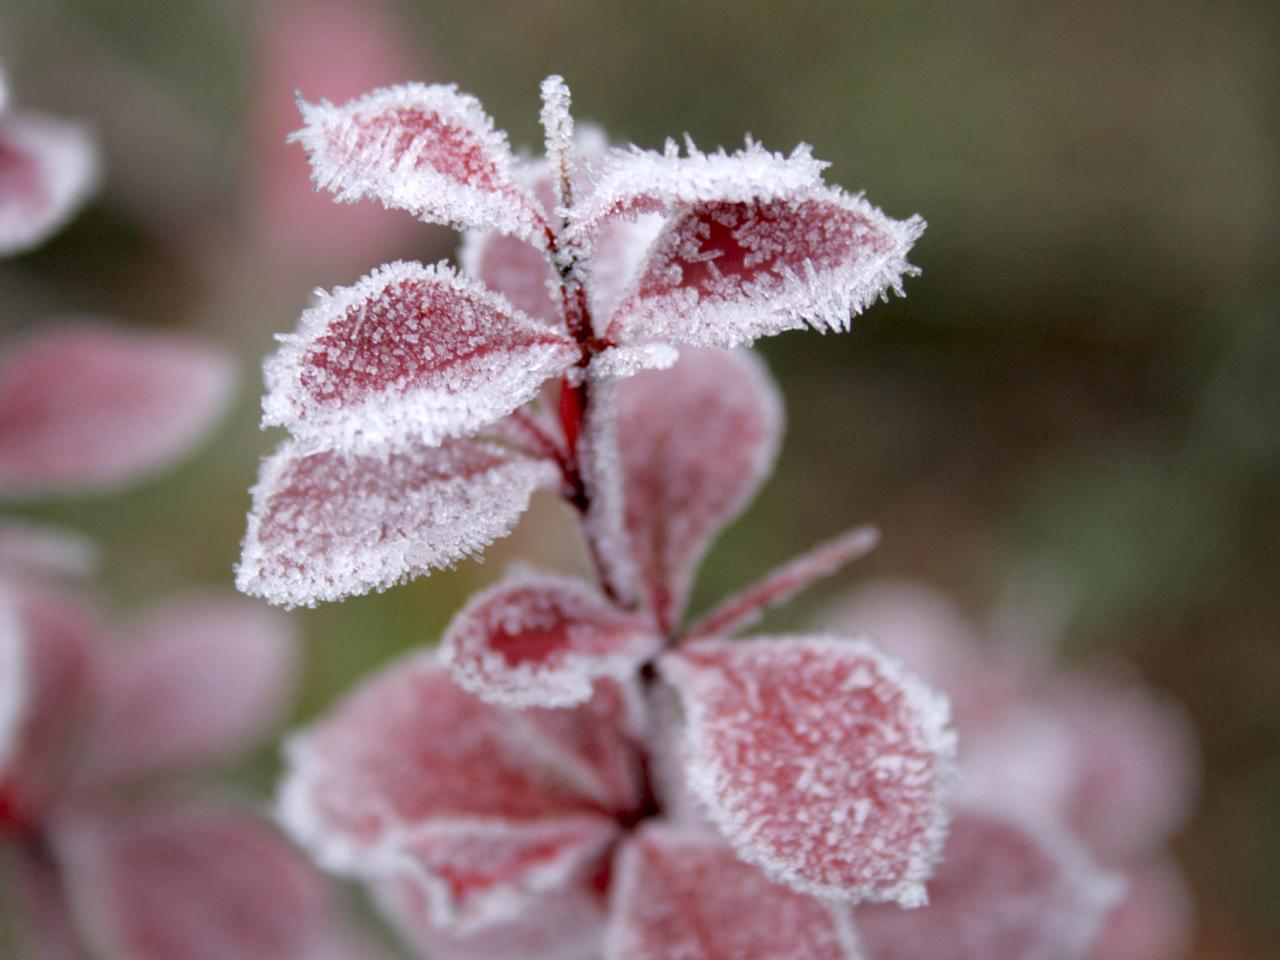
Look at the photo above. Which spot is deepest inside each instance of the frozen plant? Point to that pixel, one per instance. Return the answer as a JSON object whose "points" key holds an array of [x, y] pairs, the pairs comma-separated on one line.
{"points": [[577, 772]]}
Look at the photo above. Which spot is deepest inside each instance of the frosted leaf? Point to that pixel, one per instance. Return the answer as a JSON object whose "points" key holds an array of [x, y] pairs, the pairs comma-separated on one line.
{"points": [[1154, 918], [28, 548], [822, 760], [557, 124], [514, 269], [412, 776], [48, 166], [411, 353], [926, 631], [682, 894], [1136, 764], [635, 182], [603, 472], [1025, 761], [87, 408], [748, 606], [700, 439], [1002, 889], [542, 640], [200, 679], [329, 525], [427, 149], [13, 677], [201, 883], [724, 274], [615, 260], [564, 924]]}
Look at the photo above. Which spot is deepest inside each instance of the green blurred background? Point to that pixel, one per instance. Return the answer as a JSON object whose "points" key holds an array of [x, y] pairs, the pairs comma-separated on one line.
{"points": [[1084, 384]]}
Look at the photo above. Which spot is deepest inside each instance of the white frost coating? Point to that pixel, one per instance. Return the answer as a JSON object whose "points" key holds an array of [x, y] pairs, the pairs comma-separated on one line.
{"points": [[734, 311], [711, 773], [440, 356], [377, 147], [557, 123], [620, 362], [620, 249], [581, 636], [369, 523], [13, 686], [634, 181], [57, 168]]}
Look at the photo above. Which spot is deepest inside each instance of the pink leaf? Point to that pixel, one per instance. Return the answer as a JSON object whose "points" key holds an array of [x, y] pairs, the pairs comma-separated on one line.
{"points": [[822, 760], [409, 354], [514, 269], [700, 439], [85, 408], [685, 895], [38, 909], [199, 883], [427, 149], [565, 924], [1153, 921], [412, 776], [1136, 764], [48, 166], [31, 549], [634, 182], [747, 607], [723, 274], [201, 679], [542, 640], [1002, 889], [329, 525]]}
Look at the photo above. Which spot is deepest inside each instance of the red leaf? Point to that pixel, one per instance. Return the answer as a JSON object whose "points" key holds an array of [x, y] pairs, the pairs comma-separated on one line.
{"points": [[48, 166], [700, 439], [409, 354], [189, 882], [681, 894], [202, 678], [519, 272], [635, 182], [1002, 889], [746, 607], [542, 640], [565, 924], [329, 525], [822, 760], [427, 149], [723, 274], [87, 408], [412, 776]]}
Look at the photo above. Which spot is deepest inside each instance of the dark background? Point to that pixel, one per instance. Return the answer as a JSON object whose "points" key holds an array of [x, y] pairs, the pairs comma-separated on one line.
{"points": [[1083, 387]]}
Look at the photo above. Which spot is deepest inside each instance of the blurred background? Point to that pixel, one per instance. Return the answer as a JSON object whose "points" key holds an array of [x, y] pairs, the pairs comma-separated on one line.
{"points": [[1083, 387]]}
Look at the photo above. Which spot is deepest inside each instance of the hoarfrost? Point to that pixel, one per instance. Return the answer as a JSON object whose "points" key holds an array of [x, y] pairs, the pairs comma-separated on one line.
{"points": [[329, 525], [409, 354], [821, 760], [682, 894], [724, 274], [427, 149], [543, 640]]}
